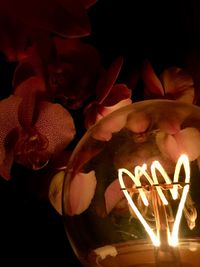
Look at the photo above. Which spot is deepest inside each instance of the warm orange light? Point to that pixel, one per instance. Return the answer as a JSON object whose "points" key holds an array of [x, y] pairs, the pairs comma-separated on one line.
{"points": [[153, 181]]}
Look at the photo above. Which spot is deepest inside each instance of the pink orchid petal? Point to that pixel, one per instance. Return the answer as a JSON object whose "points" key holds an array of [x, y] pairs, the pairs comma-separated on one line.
{"points": [[153, 86], [138, 122], [56, 124], [111, 124], [113, 195], [81, 192], [107, 110], [118, 97], [30, 90], [8, 121], [168, 146], [117, 93], [178, 84], [188, 141], [107, 80]]}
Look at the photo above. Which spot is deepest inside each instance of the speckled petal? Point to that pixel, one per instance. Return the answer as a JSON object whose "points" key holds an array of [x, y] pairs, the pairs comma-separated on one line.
{"points": [[56, 124], [8, 120]]}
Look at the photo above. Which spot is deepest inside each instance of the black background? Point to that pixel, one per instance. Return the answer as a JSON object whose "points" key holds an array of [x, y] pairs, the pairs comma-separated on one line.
{"points": [[165, 32]]}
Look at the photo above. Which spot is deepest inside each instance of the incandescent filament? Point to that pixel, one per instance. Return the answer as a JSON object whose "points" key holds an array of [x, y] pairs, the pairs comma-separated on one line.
{"points": [[153, 181]]}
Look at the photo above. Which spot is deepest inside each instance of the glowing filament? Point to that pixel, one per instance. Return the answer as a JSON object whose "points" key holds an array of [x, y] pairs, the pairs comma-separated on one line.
{"points": [[154, 183]]}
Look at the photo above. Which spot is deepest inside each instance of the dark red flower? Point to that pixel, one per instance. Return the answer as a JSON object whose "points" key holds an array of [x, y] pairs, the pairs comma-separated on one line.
{"points": [[74, 73]]}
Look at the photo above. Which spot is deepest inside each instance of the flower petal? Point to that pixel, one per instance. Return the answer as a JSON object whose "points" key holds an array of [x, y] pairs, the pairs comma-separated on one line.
{"points": [[104, 111], [108, 79], [170, 125], [117, 93], [113, 195], [118, 97], [55, 191], [95, 112], [188, 141], [168, 146], [85, 155], [138, 122], [5, 167], [30, 90], [8, 120], [23, 72], [56, 124], [90, 114], [61, 160], [81, 192], [111, 124], [31, 66], [178, 84], [153, 87]]}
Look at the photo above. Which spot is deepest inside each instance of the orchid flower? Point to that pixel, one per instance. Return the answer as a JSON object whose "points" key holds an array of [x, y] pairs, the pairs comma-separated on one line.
{"points": [[32, 129]]}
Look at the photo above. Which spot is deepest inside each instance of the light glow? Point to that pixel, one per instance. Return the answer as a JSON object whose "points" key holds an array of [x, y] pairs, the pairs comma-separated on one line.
{"points": [[173, 187]]}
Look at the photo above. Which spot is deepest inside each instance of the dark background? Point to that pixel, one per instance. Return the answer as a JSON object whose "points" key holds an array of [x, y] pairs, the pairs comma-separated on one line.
{"points": [[166, 33]]}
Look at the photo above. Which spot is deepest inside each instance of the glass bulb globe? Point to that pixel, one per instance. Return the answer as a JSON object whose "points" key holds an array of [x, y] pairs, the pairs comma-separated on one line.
{"points": [[131, 194]]}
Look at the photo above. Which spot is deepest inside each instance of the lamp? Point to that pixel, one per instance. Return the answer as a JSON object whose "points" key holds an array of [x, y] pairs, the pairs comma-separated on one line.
{"points": [[131, 195]]}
